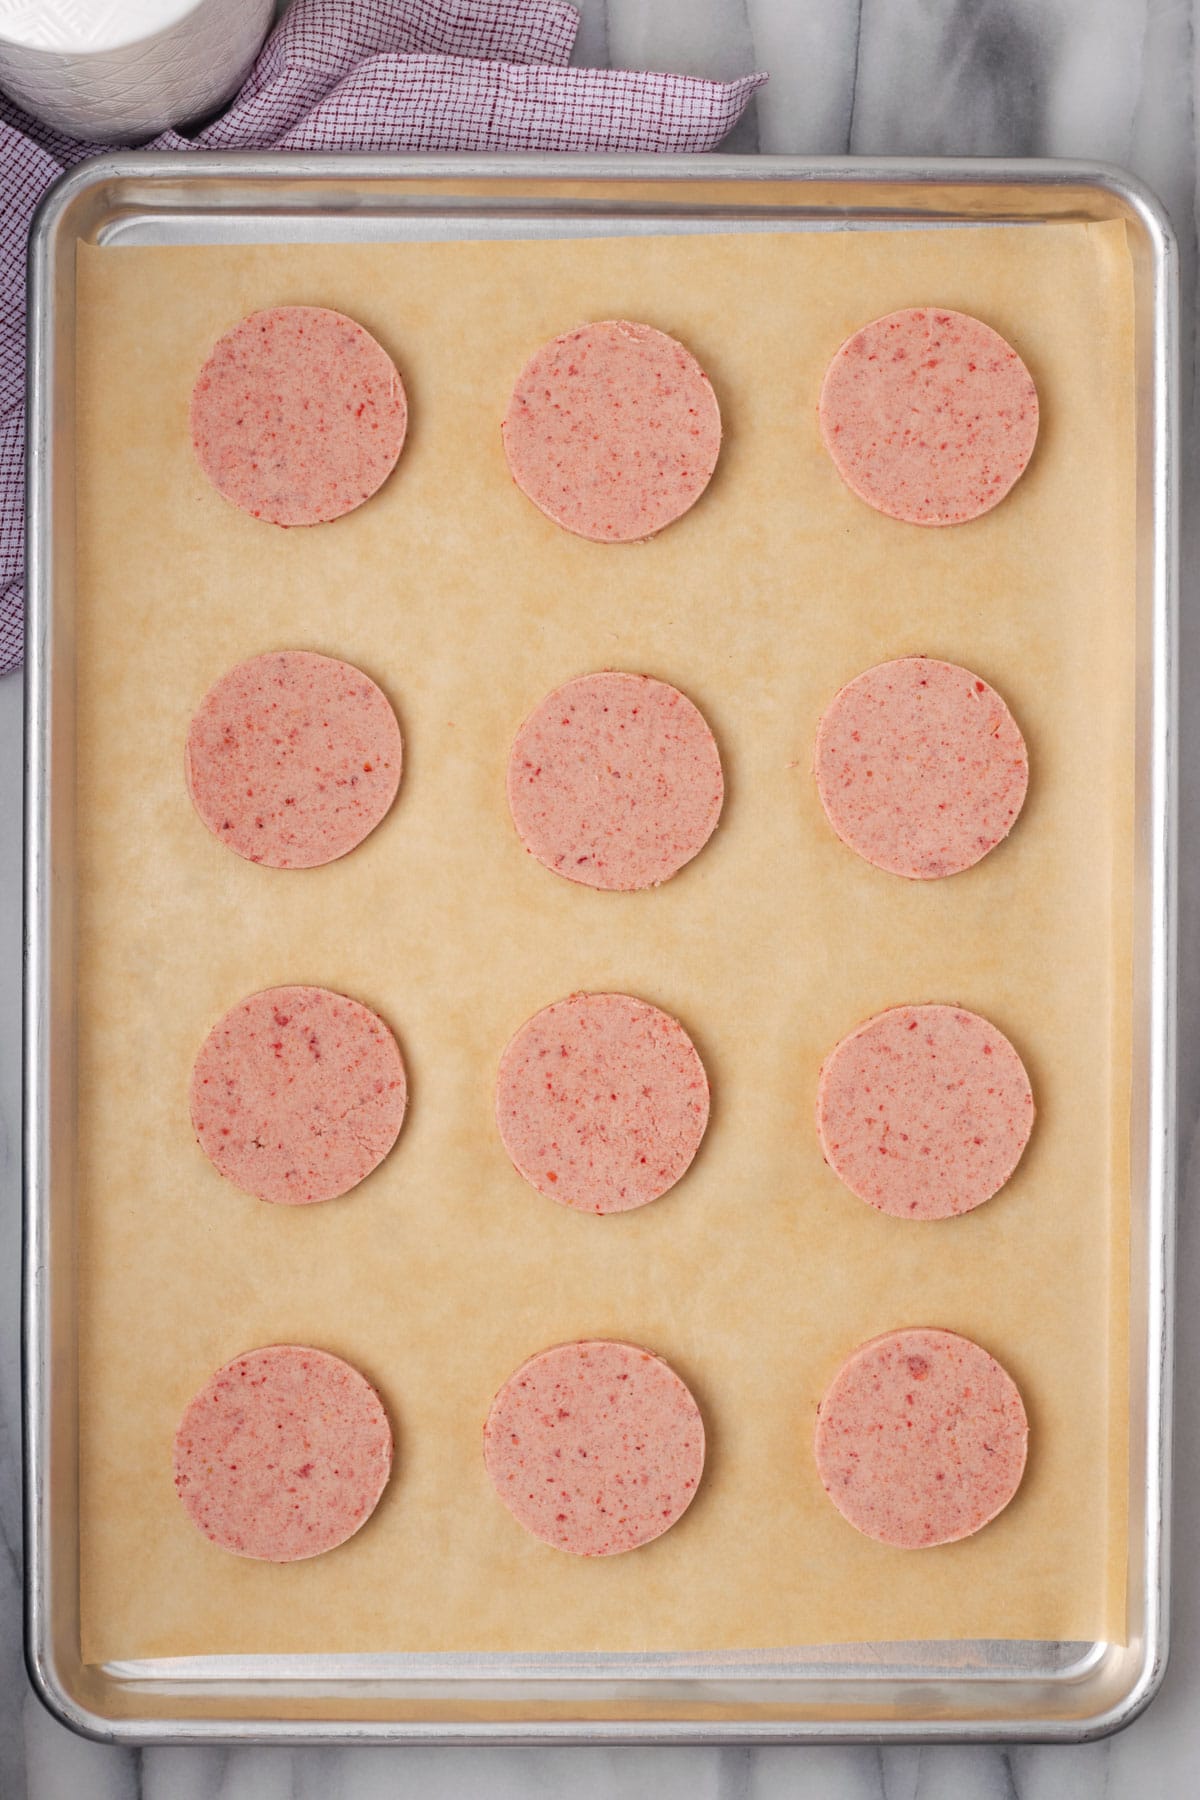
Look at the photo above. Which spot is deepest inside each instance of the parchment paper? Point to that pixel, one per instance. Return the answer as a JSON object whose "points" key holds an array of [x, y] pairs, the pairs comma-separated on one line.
{"points": [[759, 1272]]}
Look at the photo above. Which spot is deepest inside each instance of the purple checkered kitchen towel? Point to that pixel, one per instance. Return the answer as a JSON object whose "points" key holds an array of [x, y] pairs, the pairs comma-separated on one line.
{"points": [[362, 75]]}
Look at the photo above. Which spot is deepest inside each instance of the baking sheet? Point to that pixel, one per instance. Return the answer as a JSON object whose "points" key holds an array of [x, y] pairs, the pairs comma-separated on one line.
{"points": [[759, 1272]]}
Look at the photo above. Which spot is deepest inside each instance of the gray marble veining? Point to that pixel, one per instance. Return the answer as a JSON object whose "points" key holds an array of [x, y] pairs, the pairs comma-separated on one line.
{"points": [[1114, 80]]}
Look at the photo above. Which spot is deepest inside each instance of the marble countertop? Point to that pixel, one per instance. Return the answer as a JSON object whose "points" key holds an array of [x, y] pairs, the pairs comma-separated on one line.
{"points": [[1114, 80]]}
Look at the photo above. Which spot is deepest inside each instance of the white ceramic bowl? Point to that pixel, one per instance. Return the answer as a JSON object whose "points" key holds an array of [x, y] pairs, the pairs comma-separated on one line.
{"points": [[118, 71]]}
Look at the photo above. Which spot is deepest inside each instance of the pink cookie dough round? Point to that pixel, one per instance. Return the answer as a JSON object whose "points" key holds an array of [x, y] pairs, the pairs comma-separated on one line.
{"points": [[920, 767], [613, 431], [929, 415], [924, 1111], [298, 415], [283, 1454], [921, 1438], [293, 759], [297, 1094], [614, 781], [601, 1101], [595, 1447]]}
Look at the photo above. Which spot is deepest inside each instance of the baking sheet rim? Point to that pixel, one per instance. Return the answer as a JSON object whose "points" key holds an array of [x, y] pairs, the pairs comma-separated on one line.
{"points": [[1163, 749]]}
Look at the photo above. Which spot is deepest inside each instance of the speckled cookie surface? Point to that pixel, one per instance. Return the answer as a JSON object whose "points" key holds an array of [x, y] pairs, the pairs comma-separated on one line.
{"points": [[920, 767], [297, 1094], [298, 415], [595, 1447], [601, 1101], [924, 1111], [293, 758], [614, 781], [613, 431], [929, 415], [283, 1454], [921, 1438]]}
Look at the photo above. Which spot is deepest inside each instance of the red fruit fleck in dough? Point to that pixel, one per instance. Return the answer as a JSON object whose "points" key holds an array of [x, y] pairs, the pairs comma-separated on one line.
{"points": [[921, 1438], [293, 759], [297, 1094], [920, 767], [298, 415], [613, 431], [595, 1447], [283, 1454], [614, 781], [924, 1111], [929, 415], [601, 1101]]}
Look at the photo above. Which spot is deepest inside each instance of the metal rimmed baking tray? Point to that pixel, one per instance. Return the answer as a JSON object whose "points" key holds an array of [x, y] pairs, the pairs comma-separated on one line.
{"points": [[994, 1689]]}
